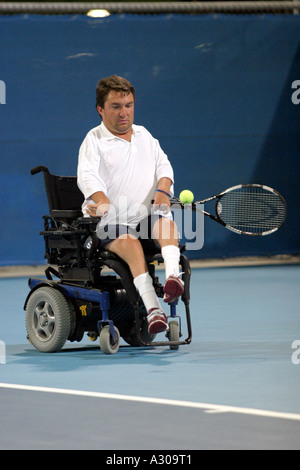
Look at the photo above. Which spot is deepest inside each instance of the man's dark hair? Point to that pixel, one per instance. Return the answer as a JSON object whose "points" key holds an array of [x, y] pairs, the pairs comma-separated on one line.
{"points": [[116, 83]]}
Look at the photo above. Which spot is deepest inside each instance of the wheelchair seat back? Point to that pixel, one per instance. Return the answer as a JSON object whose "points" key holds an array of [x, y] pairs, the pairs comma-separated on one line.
{"points": [[64, 197]]}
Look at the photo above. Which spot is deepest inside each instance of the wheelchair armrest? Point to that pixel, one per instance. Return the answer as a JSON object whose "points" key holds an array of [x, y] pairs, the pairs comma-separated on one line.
{"points": [[88, 220], [88, 223], [65, 214]]}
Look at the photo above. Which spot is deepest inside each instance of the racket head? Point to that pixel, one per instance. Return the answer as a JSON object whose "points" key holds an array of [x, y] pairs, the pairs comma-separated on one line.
{"points": [[251, 209]]}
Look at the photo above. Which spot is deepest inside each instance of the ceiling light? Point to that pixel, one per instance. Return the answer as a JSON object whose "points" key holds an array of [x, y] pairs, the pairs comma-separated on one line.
{"points": [[98, 13]]}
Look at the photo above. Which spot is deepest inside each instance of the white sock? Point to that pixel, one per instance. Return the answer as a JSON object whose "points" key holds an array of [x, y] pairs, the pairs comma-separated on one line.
{"points": [[144, 286], [171, 257]]}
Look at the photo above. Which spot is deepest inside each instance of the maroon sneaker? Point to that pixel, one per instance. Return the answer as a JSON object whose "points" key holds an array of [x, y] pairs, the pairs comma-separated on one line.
{"points": [[174, 288], [157, 321]]}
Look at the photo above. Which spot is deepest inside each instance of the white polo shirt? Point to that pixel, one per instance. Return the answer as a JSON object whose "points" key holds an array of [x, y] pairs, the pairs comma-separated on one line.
{"points": [[126, 172]]}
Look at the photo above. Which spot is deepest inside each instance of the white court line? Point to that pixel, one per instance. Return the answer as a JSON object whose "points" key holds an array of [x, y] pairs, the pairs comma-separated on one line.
{"points": [[207, 407]]}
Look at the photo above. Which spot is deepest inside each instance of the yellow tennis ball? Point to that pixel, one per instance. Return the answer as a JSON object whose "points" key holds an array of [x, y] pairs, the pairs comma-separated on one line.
{"points": [[186, 196]]}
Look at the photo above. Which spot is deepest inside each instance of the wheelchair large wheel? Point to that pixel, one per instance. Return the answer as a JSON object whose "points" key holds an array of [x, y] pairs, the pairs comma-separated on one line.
{"points": [[48, 320], [107, 343]]}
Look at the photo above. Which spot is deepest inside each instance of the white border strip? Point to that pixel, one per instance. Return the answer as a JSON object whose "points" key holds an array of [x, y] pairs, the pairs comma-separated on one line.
{"points": [[207, 407]]}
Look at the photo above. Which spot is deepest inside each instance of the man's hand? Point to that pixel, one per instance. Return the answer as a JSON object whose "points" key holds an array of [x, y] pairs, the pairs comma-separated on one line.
{"points": [[100, 207], [161, 202]]}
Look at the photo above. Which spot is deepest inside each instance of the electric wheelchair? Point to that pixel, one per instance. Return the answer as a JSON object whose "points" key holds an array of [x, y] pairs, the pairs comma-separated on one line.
{"points": [[89, 290]]}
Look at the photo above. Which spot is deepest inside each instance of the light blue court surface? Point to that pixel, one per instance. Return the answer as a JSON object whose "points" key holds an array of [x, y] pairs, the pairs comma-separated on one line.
{"points": [[245, 321]]}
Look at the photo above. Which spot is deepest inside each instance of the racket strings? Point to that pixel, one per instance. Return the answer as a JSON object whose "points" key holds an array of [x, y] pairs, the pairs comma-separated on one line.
{"points": [[252, 210]]}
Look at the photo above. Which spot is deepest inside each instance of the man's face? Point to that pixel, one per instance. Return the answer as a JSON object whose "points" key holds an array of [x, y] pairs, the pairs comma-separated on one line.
{"points": [[118, 112]]}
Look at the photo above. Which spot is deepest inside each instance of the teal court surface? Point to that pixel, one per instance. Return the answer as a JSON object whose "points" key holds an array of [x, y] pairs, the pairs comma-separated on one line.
{"points": [[236, 386]]}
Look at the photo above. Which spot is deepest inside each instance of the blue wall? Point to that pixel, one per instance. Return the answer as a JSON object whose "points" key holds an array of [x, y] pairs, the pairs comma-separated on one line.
{"points": [[215, 90]]}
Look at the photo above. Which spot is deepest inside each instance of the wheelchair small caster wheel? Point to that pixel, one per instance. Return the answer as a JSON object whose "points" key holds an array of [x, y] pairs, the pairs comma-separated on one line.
{"points": [[173, 334], [107, 343]]}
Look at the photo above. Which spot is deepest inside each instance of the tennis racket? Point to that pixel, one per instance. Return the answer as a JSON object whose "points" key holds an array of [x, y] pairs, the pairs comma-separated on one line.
{"points": [[247, 209]]}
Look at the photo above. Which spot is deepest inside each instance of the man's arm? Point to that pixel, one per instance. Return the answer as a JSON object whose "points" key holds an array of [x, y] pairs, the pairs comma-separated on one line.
{"points": [[88, 179], [162, 200]]}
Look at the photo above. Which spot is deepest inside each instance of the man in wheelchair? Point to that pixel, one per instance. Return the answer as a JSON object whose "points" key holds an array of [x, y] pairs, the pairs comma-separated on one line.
{"points": [[127, 180], [115, 214]]}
